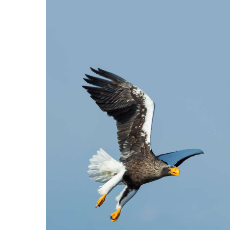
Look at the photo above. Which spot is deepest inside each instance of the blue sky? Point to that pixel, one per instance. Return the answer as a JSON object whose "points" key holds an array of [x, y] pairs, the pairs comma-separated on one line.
{"points": [[178, 53]]}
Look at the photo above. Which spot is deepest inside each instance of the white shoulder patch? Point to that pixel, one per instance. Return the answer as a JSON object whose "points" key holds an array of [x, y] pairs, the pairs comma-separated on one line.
{"points": [[149, 117], [149, 105]]}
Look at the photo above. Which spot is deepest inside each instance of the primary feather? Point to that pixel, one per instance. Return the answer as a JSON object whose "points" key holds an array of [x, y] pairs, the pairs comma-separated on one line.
{"points": [[129, 106]]}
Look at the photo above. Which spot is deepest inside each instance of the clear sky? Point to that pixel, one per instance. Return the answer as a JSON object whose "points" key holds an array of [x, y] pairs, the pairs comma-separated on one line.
{"points": [[178, 52]]}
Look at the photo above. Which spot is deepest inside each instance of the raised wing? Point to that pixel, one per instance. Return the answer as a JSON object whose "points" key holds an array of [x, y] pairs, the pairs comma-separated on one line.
{"points": [[178, 157], [129, 106]]}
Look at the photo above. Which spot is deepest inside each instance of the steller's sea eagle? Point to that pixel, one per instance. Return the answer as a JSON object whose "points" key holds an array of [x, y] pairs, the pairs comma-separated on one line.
{"points": [[133, 111]]}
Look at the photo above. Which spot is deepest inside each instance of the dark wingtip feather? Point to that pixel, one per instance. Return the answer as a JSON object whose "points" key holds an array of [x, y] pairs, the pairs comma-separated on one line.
{"points": [[95, 71], [101, 70], [87, 87], [87, 80], [94, 78], [87, 75]]}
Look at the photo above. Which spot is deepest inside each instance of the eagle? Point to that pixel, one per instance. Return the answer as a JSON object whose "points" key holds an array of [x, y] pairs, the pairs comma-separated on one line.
{"points": [[133, 111]]}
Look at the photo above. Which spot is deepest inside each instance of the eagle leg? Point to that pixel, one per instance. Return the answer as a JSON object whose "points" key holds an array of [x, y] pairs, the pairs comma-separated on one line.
{"points": [[108, 186], [114, 216], [122, 199], [101, 200]]}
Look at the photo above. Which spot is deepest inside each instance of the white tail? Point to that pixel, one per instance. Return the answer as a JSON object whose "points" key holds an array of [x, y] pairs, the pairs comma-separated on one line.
{"points": [[103, 167]]}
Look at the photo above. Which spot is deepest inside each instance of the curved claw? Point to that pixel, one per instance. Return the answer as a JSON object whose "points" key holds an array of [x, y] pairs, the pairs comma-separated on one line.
{"points": [[114, 216], [101, 200]]}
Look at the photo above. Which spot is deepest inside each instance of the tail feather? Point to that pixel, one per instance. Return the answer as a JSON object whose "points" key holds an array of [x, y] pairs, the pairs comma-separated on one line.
{"points": [[103, 167]]}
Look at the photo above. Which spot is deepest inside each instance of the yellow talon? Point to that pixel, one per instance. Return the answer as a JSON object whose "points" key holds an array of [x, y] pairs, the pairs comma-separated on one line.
{"points": [[115, 215], [101, 200]]}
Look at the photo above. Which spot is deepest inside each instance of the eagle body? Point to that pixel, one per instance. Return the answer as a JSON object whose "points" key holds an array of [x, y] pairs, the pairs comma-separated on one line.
{"points": [[142, 169], [133, 111]]}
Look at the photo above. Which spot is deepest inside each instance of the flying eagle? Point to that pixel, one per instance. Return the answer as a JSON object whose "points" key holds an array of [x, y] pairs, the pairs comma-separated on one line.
{"points": [[133, 111]]}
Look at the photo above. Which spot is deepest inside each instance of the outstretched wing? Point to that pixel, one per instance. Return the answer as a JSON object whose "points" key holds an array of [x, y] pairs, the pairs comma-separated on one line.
{"points": [[178, 157], [129, 106]]}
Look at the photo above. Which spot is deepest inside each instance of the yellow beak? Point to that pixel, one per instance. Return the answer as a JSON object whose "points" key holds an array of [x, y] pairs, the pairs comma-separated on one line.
{"points": [[174, 171]]}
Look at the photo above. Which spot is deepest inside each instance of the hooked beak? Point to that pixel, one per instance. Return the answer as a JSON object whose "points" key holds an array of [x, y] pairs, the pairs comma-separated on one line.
{"points": [[174, 171]]}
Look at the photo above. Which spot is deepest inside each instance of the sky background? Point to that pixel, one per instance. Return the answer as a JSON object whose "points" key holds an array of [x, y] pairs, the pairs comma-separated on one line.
{"points": [[178, 52]]}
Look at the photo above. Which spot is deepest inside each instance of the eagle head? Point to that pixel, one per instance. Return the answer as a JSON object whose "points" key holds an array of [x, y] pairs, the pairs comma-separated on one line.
{"points": [[171, 170]]}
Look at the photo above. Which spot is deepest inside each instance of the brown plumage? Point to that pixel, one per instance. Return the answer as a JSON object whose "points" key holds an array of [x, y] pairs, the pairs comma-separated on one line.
{"points": [[126, 104], [133, 111], [142, 169], [119, 100]]}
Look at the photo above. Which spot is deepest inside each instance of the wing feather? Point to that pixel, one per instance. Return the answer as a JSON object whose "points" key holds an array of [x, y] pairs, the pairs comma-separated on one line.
{"points": [[129, 106], [178, 157]]}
